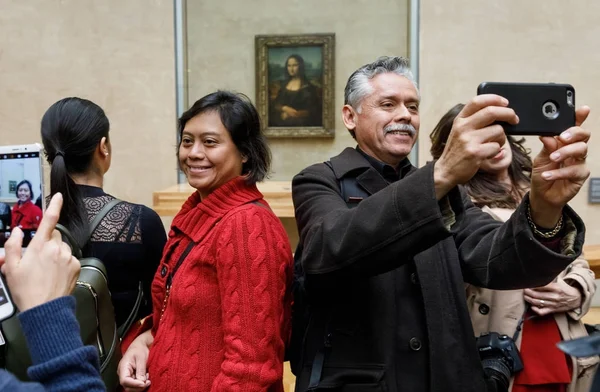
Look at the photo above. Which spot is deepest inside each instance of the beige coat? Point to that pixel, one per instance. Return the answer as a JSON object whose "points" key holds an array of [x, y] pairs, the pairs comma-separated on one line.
{"points": [[500, 311]]}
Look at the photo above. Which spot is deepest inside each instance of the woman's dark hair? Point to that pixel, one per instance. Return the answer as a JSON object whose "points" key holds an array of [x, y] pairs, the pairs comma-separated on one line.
{"points": [[241, 119], [301, 67], [484, 189], [25, 182], [72, 128], [440, 133]]}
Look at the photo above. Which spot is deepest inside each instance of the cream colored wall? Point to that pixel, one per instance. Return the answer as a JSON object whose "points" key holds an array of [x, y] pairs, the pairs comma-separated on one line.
{"points": [[221, 53], [117, 53], [465, 42]]}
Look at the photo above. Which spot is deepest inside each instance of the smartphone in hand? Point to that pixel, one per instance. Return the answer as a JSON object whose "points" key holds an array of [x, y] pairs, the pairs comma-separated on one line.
{"points": [[544, 109], [21, 202], [21, 190]]}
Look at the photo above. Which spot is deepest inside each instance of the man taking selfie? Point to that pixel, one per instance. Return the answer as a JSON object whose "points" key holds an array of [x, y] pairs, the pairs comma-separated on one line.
{"points": [[385, 248]]}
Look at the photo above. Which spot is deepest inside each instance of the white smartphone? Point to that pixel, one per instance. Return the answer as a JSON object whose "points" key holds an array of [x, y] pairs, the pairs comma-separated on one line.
{"points": [[21, 201], [21, 190]]}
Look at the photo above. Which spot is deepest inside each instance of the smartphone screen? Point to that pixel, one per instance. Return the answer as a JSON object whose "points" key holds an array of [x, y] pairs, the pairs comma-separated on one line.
{"points": [[21, 191]]}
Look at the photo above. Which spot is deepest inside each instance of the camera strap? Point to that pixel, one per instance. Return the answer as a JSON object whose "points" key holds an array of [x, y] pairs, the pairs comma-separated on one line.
{"points": [[521, 321]]}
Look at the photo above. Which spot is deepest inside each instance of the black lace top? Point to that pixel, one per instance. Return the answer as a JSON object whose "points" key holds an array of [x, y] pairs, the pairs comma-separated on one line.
{"points": [[129, 241]]}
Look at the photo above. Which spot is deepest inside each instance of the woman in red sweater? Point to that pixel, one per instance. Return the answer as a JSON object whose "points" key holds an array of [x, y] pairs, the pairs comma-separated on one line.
{"points": [[221, 294], [25, 214]]}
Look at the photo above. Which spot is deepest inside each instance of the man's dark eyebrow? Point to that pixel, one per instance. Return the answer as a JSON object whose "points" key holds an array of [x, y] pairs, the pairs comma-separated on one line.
{"points": [[388, 96]]}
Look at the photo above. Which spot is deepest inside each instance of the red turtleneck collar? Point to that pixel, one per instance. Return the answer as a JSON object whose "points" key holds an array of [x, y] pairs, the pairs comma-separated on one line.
{"points": [[197, 216]]}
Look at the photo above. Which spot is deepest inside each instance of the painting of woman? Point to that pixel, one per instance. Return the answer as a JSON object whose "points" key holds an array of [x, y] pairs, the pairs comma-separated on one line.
{"points": [[297, 100]]}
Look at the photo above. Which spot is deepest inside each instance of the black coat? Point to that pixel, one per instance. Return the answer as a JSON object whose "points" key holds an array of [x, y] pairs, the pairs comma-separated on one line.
{"points": [[385, 280]]}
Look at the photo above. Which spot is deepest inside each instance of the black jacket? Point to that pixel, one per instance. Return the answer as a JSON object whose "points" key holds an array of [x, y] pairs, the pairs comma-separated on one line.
{"points": [[385, 280]]}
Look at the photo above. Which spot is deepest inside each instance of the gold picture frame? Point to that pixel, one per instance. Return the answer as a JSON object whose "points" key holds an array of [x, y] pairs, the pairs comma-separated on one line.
{"points": [[295, 84]]}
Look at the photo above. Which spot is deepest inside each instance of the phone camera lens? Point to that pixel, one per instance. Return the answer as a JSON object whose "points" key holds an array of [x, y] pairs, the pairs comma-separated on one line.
{"points": [[570, 98]]}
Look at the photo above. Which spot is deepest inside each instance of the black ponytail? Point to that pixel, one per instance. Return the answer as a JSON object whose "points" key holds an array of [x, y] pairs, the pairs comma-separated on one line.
{"points": [[72, 128]]}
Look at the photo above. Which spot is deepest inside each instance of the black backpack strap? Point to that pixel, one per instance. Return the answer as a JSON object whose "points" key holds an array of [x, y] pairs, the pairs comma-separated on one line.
{"points": [[66, 234], [100, 215], [340, 182], [77, 252], [123, 328], [350, 191], [79, 255], [352, 194]]}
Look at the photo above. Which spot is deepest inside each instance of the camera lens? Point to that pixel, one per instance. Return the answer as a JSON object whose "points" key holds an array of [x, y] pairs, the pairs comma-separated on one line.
{"points": [[569, 94], [497, 371]]}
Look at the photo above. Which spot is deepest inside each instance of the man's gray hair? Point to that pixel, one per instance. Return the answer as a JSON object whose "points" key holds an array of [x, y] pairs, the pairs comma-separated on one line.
{"points": [[358, 85]]}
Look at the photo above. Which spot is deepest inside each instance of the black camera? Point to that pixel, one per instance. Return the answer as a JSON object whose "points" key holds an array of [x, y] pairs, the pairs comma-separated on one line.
{"points": [[499, 357]]}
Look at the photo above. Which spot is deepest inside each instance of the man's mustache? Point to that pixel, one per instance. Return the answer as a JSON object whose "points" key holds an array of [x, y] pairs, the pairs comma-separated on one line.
{"points": [[400, 127]]}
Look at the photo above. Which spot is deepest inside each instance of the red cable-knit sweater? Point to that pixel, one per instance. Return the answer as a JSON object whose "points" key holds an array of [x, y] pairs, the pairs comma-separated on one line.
{"points": [[227, 316], [26, 215]]}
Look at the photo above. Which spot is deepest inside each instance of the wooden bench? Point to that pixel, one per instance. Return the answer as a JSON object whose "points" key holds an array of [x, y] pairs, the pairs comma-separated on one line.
{"points": [[592, 254]]}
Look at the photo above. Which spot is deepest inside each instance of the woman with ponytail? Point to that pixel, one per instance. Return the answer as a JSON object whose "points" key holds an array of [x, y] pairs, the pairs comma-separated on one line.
{"points": [[130, 238]]}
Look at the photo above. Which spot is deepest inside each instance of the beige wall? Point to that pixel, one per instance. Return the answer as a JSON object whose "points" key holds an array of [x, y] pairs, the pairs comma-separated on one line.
{"points": [[465, 42], [221, 53], [117, 53], [120, 55]]}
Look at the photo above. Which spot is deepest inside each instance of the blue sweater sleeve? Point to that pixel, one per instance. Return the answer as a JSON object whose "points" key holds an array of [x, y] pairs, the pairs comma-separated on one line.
{"points": [[60, 360], [8, 382]]}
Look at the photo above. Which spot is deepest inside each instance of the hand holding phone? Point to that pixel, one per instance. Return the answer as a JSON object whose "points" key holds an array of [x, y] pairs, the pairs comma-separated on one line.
{"points": [[47, 270], [559, 171], [473, 139]]}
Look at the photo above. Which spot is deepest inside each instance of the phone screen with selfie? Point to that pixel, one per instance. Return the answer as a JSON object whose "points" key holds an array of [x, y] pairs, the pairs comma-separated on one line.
{"points": [[21, 190], [21, 201]]}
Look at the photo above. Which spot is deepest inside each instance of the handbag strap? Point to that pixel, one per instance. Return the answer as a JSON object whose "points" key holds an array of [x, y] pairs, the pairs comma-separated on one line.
{"points": [[123, 328], [187, 250]]}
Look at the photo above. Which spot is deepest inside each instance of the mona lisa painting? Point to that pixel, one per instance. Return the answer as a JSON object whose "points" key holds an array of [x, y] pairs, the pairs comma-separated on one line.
{"points": [[294, 84]]}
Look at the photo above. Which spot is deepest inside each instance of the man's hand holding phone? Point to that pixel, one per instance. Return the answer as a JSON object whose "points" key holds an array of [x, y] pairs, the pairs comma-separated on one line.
{"points": [[47, 270], [559, 171], [476, 136]]}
